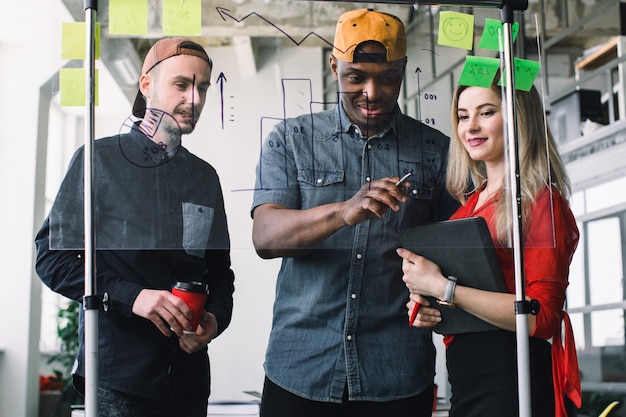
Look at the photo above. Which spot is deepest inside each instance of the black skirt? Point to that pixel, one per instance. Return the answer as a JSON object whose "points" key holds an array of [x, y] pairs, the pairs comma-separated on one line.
{"points": [[482, 370]]}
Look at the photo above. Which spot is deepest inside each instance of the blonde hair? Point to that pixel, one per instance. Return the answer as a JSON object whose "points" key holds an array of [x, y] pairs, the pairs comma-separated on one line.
{"points": [[539, 161]]}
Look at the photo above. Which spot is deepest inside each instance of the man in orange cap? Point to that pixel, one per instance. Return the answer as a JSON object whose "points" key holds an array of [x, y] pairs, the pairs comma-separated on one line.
{"points": [[329, 201], [160, 218]]}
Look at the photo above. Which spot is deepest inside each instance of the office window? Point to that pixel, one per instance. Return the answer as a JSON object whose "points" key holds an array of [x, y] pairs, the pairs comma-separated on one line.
{"points": [[64, 133], [596, 299]]}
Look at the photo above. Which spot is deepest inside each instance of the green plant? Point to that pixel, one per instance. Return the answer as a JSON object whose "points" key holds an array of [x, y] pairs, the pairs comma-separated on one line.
{"points": [[67, 332]]}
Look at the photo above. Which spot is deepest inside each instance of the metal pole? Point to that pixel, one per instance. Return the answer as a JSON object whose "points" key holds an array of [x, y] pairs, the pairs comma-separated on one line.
{"points": [[90, 303], [515, 202]]}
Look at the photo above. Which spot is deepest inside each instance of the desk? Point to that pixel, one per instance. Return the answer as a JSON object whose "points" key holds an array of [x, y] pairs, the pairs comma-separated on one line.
{"points": [[228, 409]]}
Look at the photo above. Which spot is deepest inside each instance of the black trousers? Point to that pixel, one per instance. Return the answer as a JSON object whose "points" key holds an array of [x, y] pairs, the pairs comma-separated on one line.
{"points": [[277, 402], [482, 369]]}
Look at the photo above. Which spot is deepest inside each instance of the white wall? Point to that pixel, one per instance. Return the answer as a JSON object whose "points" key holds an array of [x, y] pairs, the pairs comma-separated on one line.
{"points": [[27, 55]]}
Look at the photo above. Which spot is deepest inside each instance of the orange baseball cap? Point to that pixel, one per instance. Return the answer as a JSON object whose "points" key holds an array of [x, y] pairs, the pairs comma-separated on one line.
{"points": [[159, 52], [358, 26]]}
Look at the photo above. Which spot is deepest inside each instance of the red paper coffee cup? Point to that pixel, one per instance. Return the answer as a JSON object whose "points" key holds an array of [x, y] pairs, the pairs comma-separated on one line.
{"points": [[194, 294]]}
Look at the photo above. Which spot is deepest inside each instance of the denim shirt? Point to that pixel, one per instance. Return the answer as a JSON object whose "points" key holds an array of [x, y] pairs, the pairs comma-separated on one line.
{"points": [[339, 314]]}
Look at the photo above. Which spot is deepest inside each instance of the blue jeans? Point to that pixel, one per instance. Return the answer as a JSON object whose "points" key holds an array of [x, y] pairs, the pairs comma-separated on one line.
{"points": [[113, 403]]}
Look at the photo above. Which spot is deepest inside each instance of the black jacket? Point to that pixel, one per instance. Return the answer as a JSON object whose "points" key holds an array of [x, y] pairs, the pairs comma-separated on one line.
{"points": [[159, 219]]}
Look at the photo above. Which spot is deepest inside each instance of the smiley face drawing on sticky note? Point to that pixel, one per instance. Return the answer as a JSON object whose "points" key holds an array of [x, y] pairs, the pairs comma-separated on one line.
{"points": [[456, 29]]}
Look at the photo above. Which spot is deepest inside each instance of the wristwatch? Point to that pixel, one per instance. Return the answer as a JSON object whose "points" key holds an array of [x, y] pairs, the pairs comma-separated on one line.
{"points": [[448, 295]]}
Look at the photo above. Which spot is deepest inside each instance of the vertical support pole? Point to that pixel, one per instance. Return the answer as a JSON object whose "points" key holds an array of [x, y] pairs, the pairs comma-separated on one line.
{"points": [[89, 305], [521, 317]]}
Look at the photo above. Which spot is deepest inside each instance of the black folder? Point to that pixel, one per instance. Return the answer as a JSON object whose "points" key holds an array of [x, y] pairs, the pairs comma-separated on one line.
{"points": [[462, 248]]}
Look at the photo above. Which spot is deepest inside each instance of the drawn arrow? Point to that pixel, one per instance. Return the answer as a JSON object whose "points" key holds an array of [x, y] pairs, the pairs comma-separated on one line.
{"points": [[419, 94], [221, 79], [224, 12], [419, 116]]}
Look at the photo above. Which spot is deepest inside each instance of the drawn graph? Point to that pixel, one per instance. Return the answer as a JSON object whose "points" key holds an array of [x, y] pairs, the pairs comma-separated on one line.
{"points": [[297, 102]]}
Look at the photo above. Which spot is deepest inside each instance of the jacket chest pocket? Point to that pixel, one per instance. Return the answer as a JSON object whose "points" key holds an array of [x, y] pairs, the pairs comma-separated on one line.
{"points": [[197, 223]]}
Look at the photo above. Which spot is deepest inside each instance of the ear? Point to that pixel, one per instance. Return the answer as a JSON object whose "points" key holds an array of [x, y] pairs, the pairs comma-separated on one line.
{"points": [[333, 66], [145, 82]]}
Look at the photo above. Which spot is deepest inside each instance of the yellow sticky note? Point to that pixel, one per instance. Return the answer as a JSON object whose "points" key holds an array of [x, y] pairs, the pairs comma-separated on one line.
{"points": [[182, 17], [128, 17], [72, 86], [456, 29], [74, 40]]}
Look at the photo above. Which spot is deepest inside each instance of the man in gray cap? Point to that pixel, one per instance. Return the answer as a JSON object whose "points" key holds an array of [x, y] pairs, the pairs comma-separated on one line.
{"points": [[160, 219]]}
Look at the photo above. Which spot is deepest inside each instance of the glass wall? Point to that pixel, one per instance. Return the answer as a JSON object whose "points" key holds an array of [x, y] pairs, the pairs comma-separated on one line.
{"points": [[254, 61]]}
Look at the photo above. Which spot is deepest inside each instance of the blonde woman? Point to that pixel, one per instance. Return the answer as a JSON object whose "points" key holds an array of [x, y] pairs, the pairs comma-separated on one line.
{"points": [[482, 366]]}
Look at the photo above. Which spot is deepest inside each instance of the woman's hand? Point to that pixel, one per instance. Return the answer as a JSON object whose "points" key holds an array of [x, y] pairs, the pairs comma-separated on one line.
{"points": [[427, 317], [422, 276]]}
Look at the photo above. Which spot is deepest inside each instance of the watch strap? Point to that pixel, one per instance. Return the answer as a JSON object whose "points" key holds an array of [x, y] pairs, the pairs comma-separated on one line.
{"points": [[448, 295]]}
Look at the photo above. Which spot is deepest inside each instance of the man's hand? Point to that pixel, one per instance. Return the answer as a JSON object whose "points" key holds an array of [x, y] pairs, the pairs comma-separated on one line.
{"points": [[206, 331], [166, 311], [374, 199], [279, 231]]}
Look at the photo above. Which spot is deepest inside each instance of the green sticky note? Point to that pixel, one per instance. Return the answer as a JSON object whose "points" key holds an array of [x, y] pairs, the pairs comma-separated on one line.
{"points": [[72, 87], [456, 29], [74, 40], [128, 17], [525, 72], [479, 71], [493, 33], [182, 17]]}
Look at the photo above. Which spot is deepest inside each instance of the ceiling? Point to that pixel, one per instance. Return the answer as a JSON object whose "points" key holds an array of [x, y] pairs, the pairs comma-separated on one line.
{"points": [[252, 25]]}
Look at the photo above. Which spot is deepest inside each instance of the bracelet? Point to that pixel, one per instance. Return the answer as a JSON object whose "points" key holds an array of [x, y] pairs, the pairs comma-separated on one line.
{"points": [[448, 295]]}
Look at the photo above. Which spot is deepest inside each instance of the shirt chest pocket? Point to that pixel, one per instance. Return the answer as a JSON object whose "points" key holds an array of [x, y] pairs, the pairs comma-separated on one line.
{"points": [[321, 186], [197, 223], [419, 207]]}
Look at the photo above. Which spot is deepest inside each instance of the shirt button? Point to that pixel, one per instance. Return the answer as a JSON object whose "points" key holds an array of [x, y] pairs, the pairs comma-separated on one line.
{"points": [[359, 256], [319, 180], [349, 337], [353, 296], [369, 146], [368, 179], [413, 192]]}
